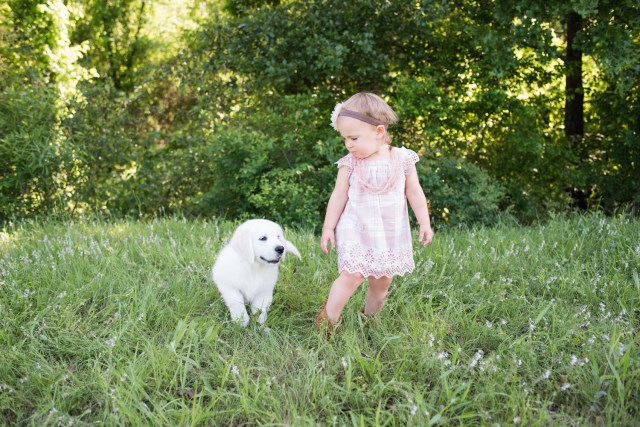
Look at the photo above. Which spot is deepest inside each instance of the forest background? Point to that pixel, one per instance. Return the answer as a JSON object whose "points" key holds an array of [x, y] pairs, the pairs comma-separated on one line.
{"points": [[141, 108]]}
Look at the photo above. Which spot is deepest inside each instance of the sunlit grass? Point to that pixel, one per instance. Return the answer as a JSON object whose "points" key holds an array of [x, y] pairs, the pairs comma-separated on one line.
{"points": [[119, 323]]}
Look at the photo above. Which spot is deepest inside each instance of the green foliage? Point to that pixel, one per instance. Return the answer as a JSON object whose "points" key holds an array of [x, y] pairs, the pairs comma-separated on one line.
{"points": [[114, 31], [230, 118], [26, 33], [102, 153], [241, 7], [237, 161], [459, 192], [430, 89], [38, 81], [269, 172], [612, 143], [300, 46], [290, 196], [31, 156]]}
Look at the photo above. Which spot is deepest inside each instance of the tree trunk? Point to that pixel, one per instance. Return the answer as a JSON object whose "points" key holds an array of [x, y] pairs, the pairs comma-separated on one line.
{"points": [[574, 101]]}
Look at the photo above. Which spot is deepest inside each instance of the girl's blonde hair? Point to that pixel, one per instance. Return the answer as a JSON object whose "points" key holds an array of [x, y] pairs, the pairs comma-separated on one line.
{"points": [[373, 106]]}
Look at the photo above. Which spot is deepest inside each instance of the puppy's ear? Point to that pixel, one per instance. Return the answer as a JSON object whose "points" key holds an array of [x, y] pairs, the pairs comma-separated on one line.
{"points": [[291, 248], [242, 243]]}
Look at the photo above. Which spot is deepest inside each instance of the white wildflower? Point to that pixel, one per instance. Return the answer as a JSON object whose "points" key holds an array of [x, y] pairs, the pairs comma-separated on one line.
{"points": [[344, 362], [546, 374], [574, 360], [476, 358], [235, 370], [565, 387], [7, 388]]}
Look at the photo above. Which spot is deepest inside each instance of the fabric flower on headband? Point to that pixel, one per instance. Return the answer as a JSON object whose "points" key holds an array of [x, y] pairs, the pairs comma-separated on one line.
{"points": [[335, 114]]}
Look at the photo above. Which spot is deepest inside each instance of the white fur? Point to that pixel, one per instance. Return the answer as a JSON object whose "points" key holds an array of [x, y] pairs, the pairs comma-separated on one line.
{"points": [[246, 269]]}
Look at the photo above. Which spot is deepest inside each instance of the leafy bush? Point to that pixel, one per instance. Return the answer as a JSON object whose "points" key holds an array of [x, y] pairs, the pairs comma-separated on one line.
{"points": [[132, 164], [459, 192], [290, 196], [273, 160], [31, 152], [103, 153], [233, 122]]}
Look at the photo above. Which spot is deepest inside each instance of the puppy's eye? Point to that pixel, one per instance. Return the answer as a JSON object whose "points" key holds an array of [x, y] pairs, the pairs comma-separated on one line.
{"points": [[263, 238]]}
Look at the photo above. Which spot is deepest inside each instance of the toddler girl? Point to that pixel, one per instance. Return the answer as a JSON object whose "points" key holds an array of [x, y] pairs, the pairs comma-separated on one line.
{"points": [[367, 219]]}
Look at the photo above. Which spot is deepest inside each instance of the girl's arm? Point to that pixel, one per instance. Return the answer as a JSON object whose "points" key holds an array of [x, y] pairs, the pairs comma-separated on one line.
{"points": [[418, 202], [336, 205]]}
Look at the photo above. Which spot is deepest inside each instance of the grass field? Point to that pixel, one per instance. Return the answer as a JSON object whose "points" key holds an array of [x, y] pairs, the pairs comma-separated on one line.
{"points": [[118, 323]]}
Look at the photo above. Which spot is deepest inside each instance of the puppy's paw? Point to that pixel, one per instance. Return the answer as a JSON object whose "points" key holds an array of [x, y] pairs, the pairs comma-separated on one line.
{"points": [[241, 319], [262, 318]]}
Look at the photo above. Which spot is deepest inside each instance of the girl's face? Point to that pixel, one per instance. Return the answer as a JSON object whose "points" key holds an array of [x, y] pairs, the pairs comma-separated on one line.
{"points": [[361, 139]]}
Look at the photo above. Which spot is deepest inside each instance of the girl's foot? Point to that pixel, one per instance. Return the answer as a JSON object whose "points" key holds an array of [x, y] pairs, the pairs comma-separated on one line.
{"points": [[322, 318], [367, 316]]}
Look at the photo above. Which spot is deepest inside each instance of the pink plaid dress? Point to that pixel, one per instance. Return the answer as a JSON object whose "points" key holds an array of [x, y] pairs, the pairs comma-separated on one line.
{"points": [[373, 235]]}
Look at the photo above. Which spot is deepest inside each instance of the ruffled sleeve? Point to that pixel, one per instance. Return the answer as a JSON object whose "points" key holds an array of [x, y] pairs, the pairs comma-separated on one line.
{"points": [[346, 161], [409, 158]]}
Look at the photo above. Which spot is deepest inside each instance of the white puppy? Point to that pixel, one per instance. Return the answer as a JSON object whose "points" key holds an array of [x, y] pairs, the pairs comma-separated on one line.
{"points": [[246, 270]]}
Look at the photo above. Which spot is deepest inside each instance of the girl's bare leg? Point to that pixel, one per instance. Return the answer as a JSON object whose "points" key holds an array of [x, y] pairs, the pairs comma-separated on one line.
{"points": [[341, 290], [377, 294]]}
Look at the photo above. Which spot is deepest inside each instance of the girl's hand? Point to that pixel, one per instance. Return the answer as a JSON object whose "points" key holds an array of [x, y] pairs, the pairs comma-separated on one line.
{"points": [[328, 236], [426, 234]]}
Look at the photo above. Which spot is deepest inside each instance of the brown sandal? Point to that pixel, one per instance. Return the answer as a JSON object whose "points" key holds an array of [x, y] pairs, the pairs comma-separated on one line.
{"points": [[322, 318]]}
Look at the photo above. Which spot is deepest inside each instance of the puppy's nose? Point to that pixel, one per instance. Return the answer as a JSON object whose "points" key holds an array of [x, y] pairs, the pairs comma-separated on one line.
{"points": [[279, 249]]}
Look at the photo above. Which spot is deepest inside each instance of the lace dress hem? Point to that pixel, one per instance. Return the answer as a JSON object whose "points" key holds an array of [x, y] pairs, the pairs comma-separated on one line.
{"points": [[375, 262], [374, 274]]}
